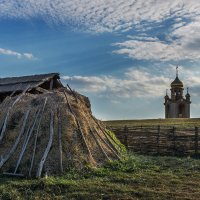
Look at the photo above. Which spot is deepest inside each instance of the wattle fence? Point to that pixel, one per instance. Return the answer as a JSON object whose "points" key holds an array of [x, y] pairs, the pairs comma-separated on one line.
{"points": [[160, 140]]}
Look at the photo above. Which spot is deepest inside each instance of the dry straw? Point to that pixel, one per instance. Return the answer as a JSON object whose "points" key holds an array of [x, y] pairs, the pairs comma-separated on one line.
{"points": [[51, 133]]}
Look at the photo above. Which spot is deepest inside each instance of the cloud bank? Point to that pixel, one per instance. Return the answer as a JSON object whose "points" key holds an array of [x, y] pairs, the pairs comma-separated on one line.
{"points": [[100, 15], [135, 83]]}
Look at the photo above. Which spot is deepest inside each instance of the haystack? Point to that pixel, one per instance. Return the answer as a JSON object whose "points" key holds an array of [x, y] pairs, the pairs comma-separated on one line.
{"points": [[50, 133]]}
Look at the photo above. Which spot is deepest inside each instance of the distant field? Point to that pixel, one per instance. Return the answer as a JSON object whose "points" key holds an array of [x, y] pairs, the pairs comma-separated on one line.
{"points": [[155, 122]]}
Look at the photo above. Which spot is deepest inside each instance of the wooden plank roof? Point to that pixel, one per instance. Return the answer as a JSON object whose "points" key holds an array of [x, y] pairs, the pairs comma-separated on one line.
{"points": [[20, 83]]}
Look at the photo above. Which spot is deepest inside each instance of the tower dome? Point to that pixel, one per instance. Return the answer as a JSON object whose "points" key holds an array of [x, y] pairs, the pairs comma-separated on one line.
{"points": [[177, 82]]}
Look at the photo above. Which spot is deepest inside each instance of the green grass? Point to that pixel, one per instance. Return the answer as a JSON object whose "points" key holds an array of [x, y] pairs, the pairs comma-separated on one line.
{"points": [[136, 177], [155, 122]]}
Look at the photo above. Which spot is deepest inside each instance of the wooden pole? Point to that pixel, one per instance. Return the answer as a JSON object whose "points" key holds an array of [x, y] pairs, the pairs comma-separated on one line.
{"points": [[4, 125], [51, 84], [12, 150], [79, 126], [158, 140], [174, 140], [73, 93], [196, 140], [44, 157], [108, 137], [96, 140], [26, 141], [126, 136], [60, 140], [36, 136]]}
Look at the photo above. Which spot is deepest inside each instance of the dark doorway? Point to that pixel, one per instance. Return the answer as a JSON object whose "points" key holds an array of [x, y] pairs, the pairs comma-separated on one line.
{"points": [[181, 111]]}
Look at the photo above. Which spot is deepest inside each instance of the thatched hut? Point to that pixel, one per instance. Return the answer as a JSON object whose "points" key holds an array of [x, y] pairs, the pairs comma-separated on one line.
{"points": [[48, 128]]}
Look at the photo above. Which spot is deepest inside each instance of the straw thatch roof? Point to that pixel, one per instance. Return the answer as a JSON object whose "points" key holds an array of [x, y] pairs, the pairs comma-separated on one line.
{"points": [[19, 84], [51, 132]]}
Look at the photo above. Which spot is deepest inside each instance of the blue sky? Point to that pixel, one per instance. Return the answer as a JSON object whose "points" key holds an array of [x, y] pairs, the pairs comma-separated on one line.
{"points": [[120, 53]]}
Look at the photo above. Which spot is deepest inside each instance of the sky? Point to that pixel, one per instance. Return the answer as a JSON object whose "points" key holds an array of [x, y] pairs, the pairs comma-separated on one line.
{"points": [[122, 54]]}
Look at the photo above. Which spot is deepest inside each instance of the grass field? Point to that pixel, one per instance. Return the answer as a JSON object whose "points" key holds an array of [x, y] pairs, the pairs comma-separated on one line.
{"points": [[136, 177], [155, 122]]}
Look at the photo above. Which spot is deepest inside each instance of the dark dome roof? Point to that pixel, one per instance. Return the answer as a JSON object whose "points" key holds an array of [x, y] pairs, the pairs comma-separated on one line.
{"points": [[177, 83]]}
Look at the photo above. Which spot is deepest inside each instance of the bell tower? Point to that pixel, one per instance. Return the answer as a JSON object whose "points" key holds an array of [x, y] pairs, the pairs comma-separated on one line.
{"points": [[177, 106]]}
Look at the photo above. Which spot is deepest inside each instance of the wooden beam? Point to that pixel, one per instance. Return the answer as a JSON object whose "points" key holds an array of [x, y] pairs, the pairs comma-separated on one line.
{"points": [[60, 140], [21, 95], [44, 157], [98, 143], [16, 89], [4, 125], [109, 143], [73, 93], [36, 135], [95, 138], [79, 127], [51, 84], [13, 174], [42, 90], [26, 141], [5, 157]]}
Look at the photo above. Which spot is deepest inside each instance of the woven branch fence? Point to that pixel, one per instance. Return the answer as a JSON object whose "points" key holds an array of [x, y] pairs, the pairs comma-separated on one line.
{"points": [[158, 140]]}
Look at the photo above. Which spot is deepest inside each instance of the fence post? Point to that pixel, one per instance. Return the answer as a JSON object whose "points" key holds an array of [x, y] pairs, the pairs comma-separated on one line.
{"points": [[126, 136], [158, 140], [174, 139], [196, 140]]}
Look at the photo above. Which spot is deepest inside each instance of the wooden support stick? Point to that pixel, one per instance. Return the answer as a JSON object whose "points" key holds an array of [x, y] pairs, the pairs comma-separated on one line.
{"points": [[12, 150], [109, 144], [79, 126], [14, 91], [60, 140], [174, 138], [42, 90], [51, 84], [21, 95], [98, 144], [26, 141], [158, 140], [36, 136], [3, 129], [73, 93], [41, 164], [196, 140], [95, 120], [126, 136], [13, 174], [96, 140]]}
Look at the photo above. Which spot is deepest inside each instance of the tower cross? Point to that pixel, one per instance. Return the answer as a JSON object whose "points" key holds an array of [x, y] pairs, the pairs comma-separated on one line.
{"points": [[176, 71]]}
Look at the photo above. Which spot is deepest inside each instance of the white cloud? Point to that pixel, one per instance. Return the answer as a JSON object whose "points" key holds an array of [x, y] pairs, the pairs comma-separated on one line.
{"points": [[135, 83], [9, 52], [181, 44], [121, 15], [28, 55], [159, 50], [100, 15]]}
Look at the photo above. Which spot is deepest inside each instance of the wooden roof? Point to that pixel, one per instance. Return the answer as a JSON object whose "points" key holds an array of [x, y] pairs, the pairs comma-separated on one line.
{"points": [[20, 83]]}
